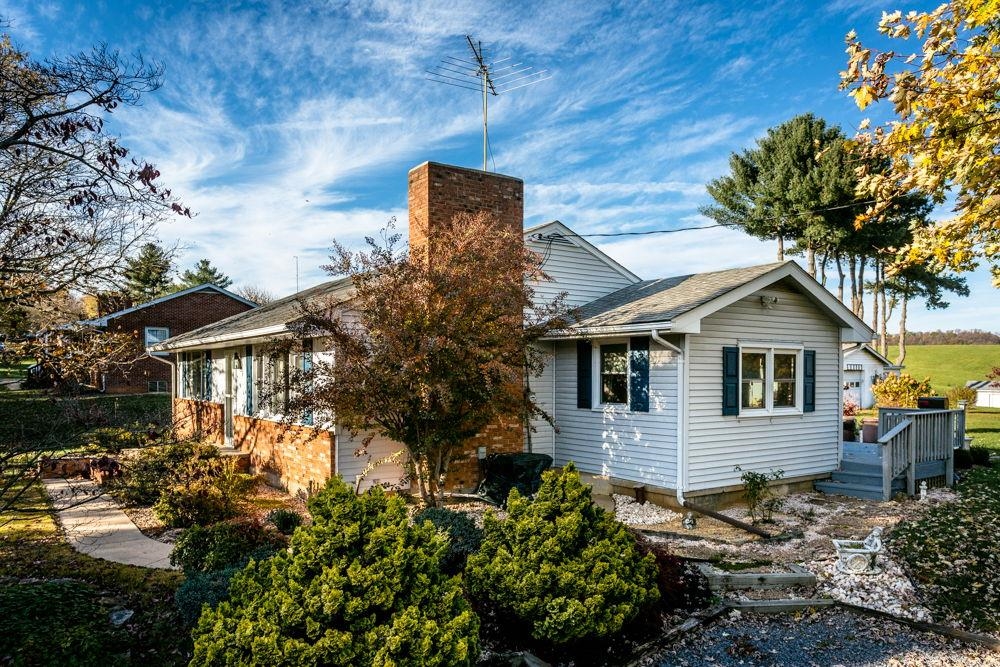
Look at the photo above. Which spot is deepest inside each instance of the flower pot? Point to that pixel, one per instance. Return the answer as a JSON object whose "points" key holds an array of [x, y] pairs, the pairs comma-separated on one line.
{"points": [[850, 429], [869, 429]]}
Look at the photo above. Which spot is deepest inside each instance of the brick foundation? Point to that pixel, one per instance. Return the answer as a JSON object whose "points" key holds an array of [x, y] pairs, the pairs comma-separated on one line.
{"points": [[296, 458], [199, 420]]}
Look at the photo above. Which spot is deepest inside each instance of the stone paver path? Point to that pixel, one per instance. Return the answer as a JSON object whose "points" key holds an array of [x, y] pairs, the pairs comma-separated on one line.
{"points": [[100, 529]]}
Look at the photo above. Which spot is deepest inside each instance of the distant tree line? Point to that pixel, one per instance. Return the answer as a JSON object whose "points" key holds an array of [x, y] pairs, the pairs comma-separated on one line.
{"points": [[950, 337]]}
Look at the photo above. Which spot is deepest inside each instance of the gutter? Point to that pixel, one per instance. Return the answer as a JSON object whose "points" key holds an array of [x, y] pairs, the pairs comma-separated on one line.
{"points": [[610, 330], [681, 413]]}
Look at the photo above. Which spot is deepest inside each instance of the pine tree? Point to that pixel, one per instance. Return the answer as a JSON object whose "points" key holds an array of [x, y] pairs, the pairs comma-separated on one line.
{"points": [[147, 274], [203, 273]]}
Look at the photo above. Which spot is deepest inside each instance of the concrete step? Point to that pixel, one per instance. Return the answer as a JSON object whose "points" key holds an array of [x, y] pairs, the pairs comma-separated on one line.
{"points": [[868, 492]]}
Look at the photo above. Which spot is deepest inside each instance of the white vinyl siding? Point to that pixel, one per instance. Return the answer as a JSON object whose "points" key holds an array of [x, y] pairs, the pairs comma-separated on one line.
{"points": [[350, 466], [543, 440], [637, 446], [575, 271], [799, 444]]}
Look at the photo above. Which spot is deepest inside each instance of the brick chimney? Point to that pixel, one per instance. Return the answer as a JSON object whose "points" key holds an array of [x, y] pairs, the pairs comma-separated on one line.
{"points": [[439, 192]]}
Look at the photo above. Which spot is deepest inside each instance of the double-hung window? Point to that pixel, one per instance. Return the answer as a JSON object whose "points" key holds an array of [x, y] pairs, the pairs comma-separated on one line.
{"points": [[613, 373], [770, 380], [613, 365], [154, 335]]}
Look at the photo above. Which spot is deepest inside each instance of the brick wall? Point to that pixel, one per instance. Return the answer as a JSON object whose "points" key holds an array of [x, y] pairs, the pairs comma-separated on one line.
{"points": [[296, 458], [199, 420], [180, 315], [437, 193]]}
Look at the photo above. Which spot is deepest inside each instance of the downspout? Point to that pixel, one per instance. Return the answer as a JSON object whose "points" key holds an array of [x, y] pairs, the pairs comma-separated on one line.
{"points": [[173, 374], [681, 413]]}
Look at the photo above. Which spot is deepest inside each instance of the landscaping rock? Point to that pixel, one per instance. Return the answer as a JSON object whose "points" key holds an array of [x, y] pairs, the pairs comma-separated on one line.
{"points": [[631, 513]]}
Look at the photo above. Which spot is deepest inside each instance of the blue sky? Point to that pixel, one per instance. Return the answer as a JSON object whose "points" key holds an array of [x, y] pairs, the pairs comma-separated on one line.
{"points": [[287, 124]]}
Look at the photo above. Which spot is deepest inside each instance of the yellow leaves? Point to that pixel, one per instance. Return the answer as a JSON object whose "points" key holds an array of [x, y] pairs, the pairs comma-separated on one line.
{"points": [[863, 96]]}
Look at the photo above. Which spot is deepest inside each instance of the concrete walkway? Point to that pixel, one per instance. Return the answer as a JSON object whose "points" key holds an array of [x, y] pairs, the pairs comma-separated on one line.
{"points": [[99, 528]]}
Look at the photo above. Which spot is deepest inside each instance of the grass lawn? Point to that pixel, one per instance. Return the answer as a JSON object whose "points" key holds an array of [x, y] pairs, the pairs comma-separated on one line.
{"points": [[983, 425], [56, 603], [950, 365], [953, 556], [17, 370]]}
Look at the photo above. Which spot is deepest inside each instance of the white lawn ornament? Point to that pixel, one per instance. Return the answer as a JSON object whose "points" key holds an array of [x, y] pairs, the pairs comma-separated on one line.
{"points": [[923, 491], [859, 556]]}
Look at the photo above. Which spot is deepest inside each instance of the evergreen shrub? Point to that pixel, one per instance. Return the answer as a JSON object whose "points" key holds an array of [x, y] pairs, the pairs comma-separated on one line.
{"points": [[561, 565], [152, 470], [222, 545], [360, 586], [464, 537], [284, 519], [203, 491], [201, 588]]}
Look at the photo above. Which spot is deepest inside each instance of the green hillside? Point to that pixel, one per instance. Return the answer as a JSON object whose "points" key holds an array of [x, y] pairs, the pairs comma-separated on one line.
{"points": [[949, 365]]}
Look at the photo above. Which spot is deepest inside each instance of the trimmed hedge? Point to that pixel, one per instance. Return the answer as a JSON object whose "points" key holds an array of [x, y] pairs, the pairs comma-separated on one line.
{"points": [[360, 586], [561, 565]]}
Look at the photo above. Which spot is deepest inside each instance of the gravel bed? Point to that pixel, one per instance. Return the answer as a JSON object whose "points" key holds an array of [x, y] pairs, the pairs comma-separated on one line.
{"points": [[890, 590], [827, 637], [631, 513]]}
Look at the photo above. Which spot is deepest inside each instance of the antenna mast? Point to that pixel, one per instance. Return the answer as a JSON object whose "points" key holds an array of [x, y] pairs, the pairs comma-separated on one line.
{"points": [[493, 79]]}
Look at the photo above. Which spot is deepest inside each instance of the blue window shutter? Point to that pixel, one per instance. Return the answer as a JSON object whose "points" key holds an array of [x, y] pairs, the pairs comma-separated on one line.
{"points": [[185, 367], [248, 365], [583, 374], [809, 381], [307, 362], [730, 381], [638, 395], [206, 377]]}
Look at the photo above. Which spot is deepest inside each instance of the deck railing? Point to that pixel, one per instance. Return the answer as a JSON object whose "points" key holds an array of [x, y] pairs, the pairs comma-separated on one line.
{"points": [[910, 437]]}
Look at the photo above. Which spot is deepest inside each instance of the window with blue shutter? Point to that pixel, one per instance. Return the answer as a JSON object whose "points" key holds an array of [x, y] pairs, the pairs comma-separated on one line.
{"points": [[730, 381], [809, 381], [584, 350], [206, 378], [307, 362], [639, 374], [248, 366]]}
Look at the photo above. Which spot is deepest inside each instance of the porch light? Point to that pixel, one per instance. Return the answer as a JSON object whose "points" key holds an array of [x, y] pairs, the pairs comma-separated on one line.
{"points": [[237, 361]]}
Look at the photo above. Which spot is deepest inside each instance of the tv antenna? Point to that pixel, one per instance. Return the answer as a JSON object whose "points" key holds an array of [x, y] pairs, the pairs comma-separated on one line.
{"points": [[495, 77]]}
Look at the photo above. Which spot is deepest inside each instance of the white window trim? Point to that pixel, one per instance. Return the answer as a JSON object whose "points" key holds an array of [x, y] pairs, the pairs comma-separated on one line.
{"points": [[770, 349], [595, 375], [146, 343]]}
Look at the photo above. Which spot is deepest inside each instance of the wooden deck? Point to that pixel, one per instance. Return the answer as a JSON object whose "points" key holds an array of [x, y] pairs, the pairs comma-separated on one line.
{"points": [[913, 445]]}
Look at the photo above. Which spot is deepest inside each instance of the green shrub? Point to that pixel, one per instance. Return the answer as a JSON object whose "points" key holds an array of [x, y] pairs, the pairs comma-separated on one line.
{"points": [[201, 588], [963, 459], [561, 565], [464, 537], [980, 455], [761, 500], [900, 391], [226, 544], [203, 492], [58, 623], [153, 469], [360, 586], [285, 520]]}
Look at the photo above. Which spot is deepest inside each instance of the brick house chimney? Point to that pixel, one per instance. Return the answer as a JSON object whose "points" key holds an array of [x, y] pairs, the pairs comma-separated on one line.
{"points": [[437, 193]]}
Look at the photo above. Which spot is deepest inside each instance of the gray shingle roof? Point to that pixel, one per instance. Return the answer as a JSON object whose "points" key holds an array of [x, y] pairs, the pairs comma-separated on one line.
{"points": [[664, 299], [276, 313]]}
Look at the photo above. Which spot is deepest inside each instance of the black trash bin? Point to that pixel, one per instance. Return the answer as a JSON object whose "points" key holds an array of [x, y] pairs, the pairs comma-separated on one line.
{"points": [[503, 472]]}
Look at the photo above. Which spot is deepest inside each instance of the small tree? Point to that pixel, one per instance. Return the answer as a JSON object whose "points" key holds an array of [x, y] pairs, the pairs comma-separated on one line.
{"points": [[360, 586], [202, 273], [430, 351]]}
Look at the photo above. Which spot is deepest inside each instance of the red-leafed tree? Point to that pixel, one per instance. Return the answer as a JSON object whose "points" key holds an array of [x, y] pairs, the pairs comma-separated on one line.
{"points": [[428, 353]]}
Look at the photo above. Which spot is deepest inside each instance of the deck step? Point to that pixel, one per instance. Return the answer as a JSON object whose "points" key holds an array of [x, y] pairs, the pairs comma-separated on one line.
{"points": [[863, 465], [858, 477], [865, 491]]}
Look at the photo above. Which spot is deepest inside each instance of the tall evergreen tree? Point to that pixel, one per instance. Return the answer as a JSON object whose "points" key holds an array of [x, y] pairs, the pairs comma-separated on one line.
{"points": [[796, 185], [202, 273], [147, 275]]}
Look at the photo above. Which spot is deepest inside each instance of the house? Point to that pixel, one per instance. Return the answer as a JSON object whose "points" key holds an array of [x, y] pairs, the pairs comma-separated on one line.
{"points": [[156, 321], [987, 393], [863, 367], [669, 384]]}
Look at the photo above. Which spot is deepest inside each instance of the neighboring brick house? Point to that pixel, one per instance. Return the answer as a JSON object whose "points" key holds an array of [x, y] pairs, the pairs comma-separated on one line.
{"points": [[157, 320]]}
